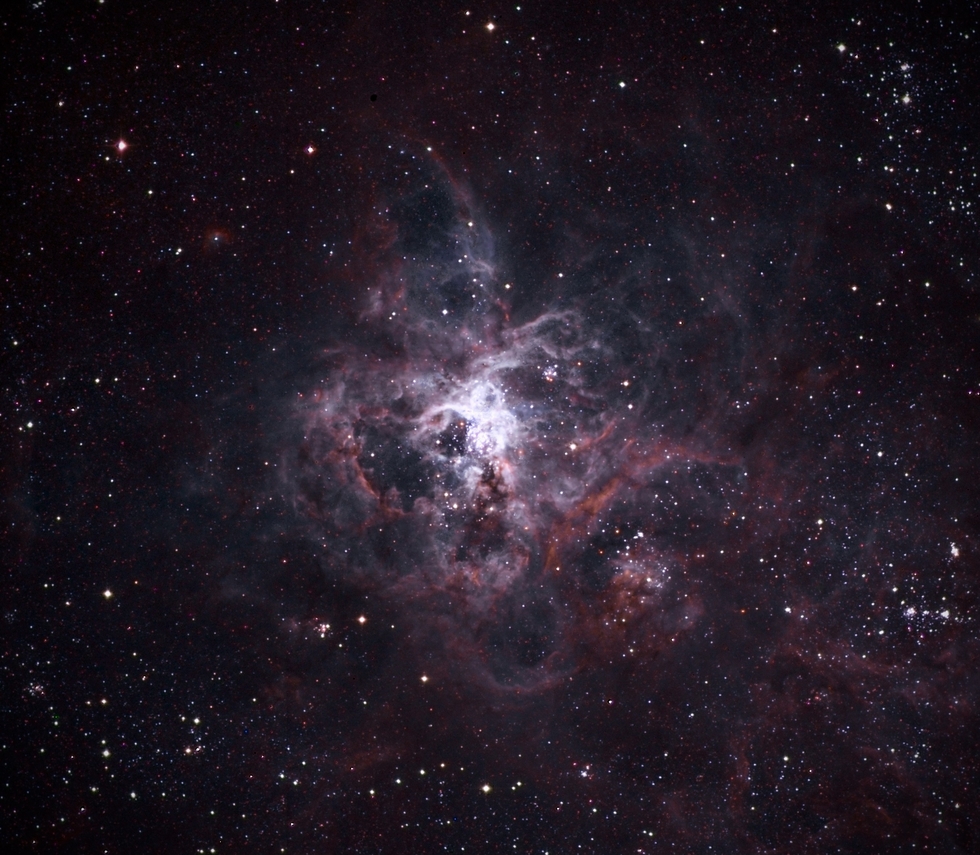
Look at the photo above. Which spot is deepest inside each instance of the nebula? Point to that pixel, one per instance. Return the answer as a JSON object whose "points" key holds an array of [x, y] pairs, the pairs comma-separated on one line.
{"points": [[513, 429], [503, 480]]}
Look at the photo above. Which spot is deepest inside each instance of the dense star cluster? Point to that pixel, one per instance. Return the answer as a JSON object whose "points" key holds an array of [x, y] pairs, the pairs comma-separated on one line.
{"points": [[481, 429]]}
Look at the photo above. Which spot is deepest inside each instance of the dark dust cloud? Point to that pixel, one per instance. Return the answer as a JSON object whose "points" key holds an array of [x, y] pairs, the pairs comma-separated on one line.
{"points": [[507, 429]]}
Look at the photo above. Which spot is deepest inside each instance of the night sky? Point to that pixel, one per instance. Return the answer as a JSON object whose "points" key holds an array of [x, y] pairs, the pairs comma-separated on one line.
{"points": [[527, 428]]}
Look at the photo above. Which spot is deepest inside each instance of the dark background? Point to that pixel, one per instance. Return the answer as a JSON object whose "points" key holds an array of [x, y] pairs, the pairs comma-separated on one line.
{"points": [[765, 216]]}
